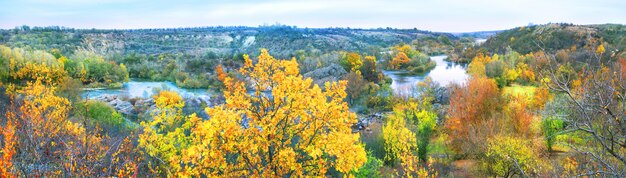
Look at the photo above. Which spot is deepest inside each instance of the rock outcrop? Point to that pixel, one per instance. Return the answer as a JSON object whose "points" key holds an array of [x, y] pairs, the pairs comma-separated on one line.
{"points": [[326, 74]]}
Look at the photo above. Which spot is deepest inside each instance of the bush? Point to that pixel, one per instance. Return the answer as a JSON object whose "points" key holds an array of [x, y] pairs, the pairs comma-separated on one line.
{"points": [[508, 156], [70, 88], [501, 82], [551, 127], [370, 168], [100, 113], [418, 70], [116, 85], [495, 69], [379, 103]]}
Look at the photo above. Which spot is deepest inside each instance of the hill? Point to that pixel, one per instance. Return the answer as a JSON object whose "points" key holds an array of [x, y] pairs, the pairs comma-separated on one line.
{"points": [[552, 37], [281, 40]]}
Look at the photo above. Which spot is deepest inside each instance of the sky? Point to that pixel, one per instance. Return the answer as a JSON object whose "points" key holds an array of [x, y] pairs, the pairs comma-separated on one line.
{"points": [[432, 15]]}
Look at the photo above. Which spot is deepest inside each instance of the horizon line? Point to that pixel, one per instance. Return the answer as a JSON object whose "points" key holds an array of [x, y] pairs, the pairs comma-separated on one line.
{"points": [[298, 27]]}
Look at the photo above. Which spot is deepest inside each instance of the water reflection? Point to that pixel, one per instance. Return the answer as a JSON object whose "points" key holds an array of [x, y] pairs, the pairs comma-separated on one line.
{"points": [[444, 73], [145, 89]]}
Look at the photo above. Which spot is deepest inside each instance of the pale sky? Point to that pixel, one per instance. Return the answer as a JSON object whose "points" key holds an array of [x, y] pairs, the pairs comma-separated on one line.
{"points": [[433, 15]]}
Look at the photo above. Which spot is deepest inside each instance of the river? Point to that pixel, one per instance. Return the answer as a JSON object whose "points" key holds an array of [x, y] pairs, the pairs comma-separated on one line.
{"points": [[444, 73], [145, 89]]}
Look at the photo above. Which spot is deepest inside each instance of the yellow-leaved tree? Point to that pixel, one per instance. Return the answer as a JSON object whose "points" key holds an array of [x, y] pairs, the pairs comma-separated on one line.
{"points": [[354, 62], [400, 141], [286, 127], [40, 140], [167, 135], [402, 144]]}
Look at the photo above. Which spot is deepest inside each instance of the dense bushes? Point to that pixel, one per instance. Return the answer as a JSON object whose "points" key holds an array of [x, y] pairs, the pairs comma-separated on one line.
{"points": [[27, 65], [184, 70], [101, 114], [510, 156], [371, 168], [94, 71]]}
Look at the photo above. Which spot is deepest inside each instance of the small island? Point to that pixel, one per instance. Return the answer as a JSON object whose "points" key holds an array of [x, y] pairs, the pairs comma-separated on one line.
{"points": [[404, 57]]}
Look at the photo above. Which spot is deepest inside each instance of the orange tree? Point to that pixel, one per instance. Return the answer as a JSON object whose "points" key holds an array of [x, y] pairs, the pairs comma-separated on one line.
{"points": [[470, 121]]}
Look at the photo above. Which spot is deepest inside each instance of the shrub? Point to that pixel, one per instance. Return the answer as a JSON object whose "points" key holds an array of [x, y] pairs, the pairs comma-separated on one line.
{"points": [[100, 113], [508, 156], [370, 168], [551, 126]]}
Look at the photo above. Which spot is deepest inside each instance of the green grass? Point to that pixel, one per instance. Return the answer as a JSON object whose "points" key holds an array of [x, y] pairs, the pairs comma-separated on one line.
{"points": [[516, 89], [438, 146]]}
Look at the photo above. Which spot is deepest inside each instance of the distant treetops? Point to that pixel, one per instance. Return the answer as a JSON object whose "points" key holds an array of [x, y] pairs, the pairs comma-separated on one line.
{"points": [[404, 57]]}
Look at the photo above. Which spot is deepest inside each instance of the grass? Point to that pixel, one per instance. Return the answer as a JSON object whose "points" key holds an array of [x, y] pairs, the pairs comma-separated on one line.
{"points": [[373, 140], [516, 89], [438, 146]]}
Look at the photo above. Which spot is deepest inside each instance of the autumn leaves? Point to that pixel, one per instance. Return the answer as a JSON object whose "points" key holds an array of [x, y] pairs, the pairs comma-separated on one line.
{"points": [[298, 130]]}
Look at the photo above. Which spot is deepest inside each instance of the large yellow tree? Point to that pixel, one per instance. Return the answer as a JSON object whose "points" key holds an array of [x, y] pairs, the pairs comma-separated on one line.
{"points": [[286, 127]]}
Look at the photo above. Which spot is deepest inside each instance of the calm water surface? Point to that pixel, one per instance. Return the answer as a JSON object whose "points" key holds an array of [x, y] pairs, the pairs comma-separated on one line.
{"points": [[444, 73], [145, 89]]}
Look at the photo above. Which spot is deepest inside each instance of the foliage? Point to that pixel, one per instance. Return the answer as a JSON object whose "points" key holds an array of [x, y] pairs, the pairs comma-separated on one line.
{"points": [[44, 135], [423, 120], [352, 62], [401, 59], [165, 138], [400, 141], [509, 156], [102, 114], [594, 101], [355, 86], [552, 37], [519, 112], [221, 75], [381, 99], [524, 72], [471, 107], [70, 88], [274, 122], [371, 168], [8, 149], [412, 60], [299, 130], [30, 65], [551, 128], [477, 66], [369, 70], [400, 145]]}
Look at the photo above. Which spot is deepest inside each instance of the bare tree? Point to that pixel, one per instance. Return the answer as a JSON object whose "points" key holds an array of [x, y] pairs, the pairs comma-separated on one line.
{"points": [[594, 100]]}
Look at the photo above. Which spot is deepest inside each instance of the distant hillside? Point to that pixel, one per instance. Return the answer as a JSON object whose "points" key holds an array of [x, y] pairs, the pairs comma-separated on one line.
{"points": [[552, 37], [480, 34], [281, 41]]}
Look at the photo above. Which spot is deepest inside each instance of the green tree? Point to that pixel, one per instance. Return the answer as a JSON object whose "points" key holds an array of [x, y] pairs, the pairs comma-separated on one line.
{"points": [[369, 69], [551, 128]]}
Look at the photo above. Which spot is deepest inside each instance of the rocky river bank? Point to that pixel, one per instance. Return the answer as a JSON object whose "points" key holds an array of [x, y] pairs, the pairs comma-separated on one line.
{"points": [[139, 106]]}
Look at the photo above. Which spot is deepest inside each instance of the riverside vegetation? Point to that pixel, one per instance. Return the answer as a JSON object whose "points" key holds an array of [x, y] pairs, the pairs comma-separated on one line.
{"points": [[280, 101]]}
